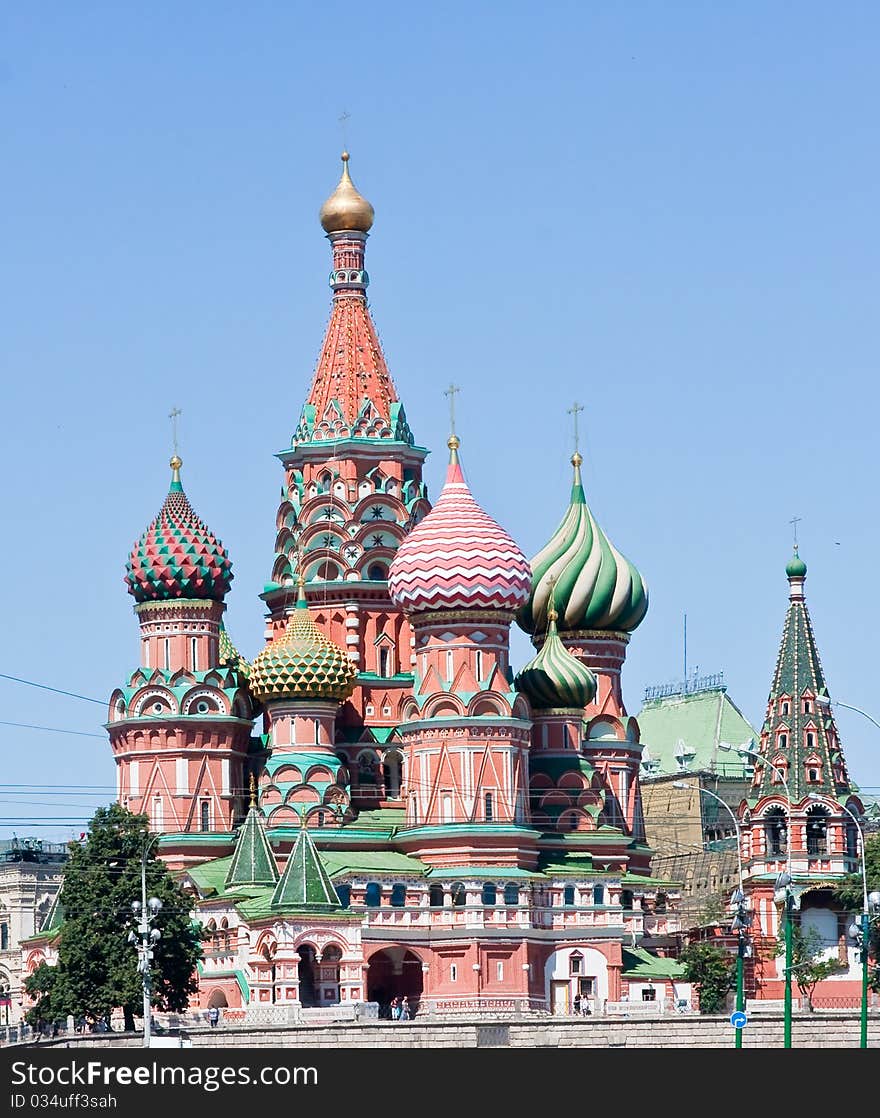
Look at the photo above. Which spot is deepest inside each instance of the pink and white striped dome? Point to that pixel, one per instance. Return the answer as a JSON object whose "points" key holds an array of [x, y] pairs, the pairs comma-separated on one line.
{"points": [[458, 557]]}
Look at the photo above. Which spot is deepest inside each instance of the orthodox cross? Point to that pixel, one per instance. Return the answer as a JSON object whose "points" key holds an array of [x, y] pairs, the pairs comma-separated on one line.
{"points": [[343, 120], [573, 411], [451, 393], [172, 415], [795, 520]]}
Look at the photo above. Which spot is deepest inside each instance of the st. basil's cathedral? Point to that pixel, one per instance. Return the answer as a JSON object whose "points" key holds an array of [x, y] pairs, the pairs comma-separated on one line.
{"points": [[380, 804]]}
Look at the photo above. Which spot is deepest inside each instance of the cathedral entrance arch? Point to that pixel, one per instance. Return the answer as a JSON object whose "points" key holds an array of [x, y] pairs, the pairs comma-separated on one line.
{"points": [[572, 971], [306, 970], [217, 1000], [394, 972]]}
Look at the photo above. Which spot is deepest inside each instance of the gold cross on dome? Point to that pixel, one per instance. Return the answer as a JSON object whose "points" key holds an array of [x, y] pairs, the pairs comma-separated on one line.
{"points": [[451, 392], [795, 520], [172, 415], [573, 411]]}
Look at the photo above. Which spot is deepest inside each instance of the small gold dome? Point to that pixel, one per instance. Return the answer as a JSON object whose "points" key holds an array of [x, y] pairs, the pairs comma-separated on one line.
{"points": [[346, 208]]}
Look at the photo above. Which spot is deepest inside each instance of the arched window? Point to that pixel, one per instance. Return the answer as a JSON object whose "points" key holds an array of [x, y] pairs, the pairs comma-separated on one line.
{"points": [[376, 572], [398, 896], [660, 903], [568, 895], [817, 831], [775, 832], [599, 894], [511, 893], [626, 899], [344, 894], [384, 655], [205, 818], [459, 895], [435, 896], [490, 894], [811, 740], [373, 895], [488, 807]]}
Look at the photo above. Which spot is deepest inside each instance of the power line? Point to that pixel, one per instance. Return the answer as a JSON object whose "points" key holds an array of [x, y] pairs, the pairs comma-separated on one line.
{"points": [[52, 729], [57, 690]]}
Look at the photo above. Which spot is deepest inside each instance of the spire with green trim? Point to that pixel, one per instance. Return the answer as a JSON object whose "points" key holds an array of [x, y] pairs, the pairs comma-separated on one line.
{"points": [[799, 737], [597, 588], [555, 678], [252, 860], [305, 885]]}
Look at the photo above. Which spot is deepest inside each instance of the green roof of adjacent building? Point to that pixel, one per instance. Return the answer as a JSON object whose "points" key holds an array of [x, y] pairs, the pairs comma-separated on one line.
{"points": [[639, 963], [683, 731]]}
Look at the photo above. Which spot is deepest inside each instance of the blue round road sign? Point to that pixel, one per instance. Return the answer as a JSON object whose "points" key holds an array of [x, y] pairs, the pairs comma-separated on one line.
{"points": [[738, 1019]]}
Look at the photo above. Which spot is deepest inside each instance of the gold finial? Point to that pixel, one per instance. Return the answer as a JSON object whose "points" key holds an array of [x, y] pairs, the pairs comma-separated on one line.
{"points": [[345, 157], [552, 615], [176, 462], [253, 790], [453, 442], [576, 460]]}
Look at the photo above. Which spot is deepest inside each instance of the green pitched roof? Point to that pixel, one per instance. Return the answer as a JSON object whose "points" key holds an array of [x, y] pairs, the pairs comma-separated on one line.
{"points": [[252, 860], [305, 883], [210, 877], [639, 963], [692, 726]]}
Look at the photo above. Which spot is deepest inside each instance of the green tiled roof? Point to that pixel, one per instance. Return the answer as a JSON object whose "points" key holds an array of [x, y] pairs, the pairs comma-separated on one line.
{"points": [[252, 861], [210, 877], [694, 724], [639, 963], [371, 861], [305, 883]]}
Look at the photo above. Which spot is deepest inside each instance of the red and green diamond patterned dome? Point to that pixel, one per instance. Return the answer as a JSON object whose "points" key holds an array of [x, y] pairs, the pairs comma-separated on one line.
{"points": [[178, 556], [458, 557]]}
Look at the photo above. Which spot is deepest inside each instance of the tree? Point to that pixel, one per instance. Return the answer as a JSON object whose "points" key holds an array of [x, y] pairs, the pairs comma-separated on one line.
{"points": [[711, 969], [96, 970], [808, 968], [850, 893]]}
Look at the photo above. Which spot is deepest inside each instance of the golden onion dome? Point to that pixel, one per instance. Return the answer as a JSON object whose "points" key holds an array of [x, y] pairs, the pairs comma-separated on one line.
{"points": [[302, 663], [346, 208]]}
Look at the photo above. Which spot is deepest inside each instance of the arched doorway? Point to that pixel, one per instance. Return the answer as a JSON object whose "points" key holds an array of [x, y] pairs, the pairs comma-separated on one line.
{"points": [[306, 972], [394, 972], [330, 963], [217, 1000], [392, 765]]}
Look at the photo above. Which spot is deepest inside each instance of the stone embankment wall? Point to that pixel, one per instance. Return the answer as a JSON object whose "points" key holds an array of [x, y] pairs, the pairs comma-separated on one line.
{"points": [[812, 1030]]}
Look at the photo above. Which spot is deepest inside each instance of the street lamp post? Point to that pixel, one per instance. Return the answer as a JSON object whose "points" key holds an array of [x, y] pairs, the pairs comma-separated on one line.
{"points": [[783, 888], [742, 917], [145, 938]]}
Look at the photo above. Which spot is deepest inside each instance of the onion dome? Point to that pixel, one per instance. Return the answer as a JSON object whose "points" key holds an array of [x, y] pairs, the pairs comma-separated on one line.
{"points": [[595, 586], [796, 567], [555, 678], [229, 656], [303, 663], [458, 557], [178, 556], [346, 209]]}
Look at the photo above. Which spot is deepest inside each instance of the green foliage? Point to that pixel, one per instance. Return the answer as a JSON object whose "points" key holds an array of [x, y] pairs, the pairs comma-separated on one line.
{"points": [[712, 971], [97, 966], [808, 969], [850, 894]]}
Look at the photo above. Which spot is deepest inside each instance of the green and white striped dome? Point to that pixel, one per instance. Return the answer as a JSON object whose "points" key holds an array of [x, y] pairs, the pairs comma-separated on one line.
{"points": [[595, 586], [555, 678]]}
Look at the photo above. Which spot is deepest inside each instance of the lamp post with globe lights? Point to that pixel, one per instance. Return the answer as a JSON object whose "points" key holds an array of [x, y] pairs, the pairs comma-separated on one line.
{"points": [[742, 916], [145, 938]]}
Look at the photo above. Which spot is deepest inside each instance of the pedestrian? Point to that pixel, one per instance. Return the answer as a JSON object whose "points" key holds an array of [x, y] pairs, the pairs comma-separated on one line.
{"points": [[395, 1009], [577, 1004], [404, 1009], [213, 1016]]}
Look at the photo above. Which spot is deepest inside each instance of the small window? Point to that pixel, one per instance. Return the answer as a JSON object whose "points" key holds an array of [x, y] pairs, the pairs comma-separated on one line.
{"points": [[488, 807], [4, 937], [808, 706], [167, 644], [814, 775], [376, 572], [811, 740], [194, 652], [383, 662], [575, 963], [649, 994], [599, 894], [511, 894], [490, 894], [785, 709], [435, 896], [320, 818], [205, 810], [568, 895], [450, 665], [453, 972], [499, 971], [344, 894], [783, 741], [373, 895], [398, 896], [478, 664], [459, 895], [626, 899]]}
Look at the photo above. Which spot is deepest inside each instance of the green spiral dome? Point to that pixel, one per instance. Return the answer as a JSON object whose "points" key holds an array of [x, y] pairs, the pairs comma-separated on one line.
{"points": [[595, 586], [555, 678]]}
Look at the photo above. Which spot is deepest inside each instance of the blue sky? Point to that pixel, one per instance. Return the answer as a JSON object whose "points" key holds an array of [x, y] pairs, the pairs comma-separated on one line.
{"points": [[667, 212]]}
